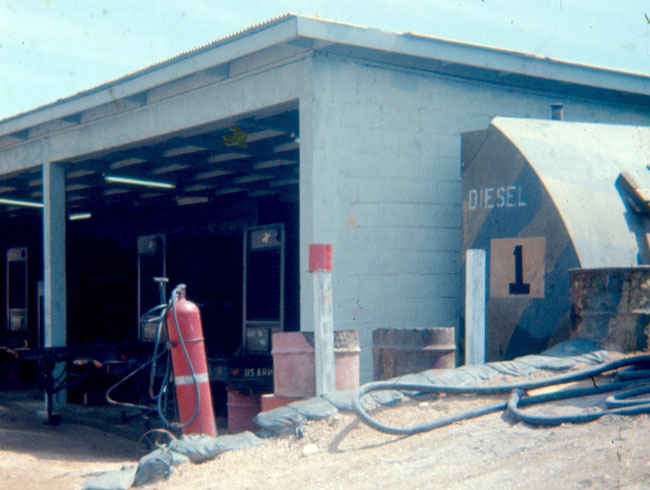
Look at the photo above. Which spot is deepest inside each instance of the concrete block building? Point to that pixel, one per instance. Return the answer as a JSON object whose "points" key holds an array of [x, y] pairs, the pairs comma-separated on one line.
{"points": [[341, 134]]}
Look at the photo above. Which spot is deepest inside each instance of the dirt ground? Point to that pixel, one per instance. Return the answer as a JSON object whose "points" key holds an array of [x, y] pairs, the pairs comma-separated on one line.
{"points": [[489, 452], [35, 455]]}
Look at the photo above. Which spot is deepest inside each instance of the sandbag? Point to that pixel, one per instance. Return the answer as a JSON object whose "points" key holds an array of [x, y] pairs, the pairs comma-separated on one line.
{"points": [[197, 447], [156, 466], [341, 400], [314, 408], [112, 480], [280, 420]]}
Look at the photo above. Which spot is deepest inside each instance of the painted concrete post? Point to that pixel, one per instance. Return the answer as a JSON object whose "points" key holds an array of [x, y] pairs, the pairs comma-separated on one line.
{"points": [[475, 304], [320, 265], [54, 266]]}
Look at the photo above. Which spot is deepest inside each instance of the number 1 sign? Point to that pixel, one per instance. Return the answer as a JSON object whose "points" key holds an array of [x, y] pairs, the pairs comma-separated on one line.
{"points": [[517, 267]]}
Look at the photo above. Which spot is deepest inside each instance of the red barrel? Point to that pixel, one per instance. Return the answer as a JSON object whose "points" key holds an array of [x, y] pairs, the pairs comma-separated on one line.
{"points": [[189, 325]]}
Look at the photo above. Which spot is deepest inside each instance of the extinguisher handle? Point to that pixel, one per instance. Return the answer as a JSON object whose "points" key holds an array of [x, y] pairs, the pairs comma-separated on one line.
{"points": [[179, 291]]}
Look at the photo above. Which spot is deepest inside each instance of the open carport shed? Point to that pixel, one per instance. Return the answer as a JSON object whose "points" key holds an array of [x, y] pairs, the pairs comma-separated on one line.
{"points": [[342, 134]]}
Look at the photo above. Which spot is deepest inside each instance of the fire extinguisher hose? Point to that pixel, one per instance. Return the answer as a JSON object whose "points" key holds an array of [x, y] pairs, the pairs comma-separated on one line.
{"points": [[156, 356], [518, 398], [178, 291]]}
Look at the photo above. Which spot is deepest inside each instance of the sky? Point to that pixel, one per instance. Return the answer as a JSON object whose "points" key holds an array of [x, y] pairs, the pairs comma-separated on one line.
{"points": [[51, 49]]}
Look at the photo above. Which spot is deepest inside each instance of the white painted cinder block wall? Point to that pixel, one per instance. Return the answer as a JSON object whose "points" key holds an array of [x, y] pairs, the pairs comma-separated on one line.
{"points": [[385, 188]]}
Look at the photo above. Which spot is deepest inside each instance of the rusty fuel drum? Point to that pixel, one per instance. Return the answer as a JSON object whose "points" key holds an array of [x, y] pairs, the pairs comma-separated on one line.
{"points": [[403, 351], [294, 363], [611, 306]]}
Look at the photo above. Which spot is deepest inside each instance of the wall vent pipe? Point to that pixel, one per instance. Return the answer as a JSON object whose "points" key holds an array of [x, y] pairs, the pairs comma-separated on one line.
{"points": [[557, 112]]}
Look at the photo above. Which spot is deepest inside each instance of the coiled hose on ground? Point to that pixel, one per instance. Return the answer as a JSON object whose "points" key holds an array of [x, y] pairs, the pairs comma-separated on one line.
{"points": [[638, 379]]}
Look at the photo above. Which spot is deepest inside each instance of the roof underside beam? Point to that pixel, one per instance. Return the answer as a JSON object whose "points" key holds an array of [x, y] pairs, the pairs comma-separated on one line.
{"points": [[133, 128]]}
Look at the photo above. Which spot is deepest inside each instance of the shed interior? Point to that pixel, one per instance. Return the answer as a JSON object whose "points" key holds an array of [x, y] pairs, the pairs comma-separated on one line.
{"points": [[200, 188]]}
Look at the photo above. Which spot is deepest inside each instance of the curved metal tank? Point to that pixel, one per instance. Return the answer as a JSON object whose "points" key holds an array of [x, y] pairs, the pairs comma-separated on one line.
{"points": [[541, 197]]}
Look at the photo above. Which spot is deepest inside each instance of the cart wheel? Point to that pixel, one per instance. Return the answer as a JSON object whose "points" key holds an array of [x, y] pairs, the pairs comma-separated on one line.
{"points": [[152, 440]]}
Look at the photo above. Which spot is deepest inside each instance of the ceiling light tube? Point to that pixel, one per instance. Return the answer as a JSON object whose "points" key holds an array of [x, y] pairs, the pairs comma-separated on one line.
{"points": [[17, 202], [79, 216], [146, 183]]}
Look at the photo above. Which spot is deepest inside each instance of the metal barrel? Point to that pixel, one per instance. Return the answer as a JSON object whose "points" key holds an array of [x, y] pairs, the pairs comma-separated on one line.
{"points": [[242, 409], [402, 351], [293, 362], [611, 306]]}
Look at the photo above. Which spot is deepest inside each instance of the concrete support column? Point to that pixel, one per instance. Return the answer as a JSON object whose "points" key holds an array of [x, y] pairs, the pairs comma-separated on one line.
{"points": [[54, 264]]}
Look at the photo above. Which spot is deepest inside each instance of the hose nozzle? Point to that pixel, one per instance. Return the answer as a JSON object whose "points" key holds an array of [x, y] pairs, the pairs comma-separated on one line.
{"points": [[179, 291]]}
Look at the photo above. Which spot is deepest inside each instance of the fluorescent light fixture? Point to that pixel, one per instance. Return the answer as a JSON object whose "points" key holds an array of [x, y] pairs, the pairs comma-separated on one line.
{"points": [[34, 183], [79, 216], [182, 150], [146, 183], [18, 202], [6, 189]]}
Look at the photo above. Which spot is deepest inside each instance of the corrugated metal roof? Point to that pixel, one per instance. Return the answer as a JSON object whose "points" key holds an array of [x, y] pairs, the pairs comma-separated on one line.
{"points": [[402, 44]]}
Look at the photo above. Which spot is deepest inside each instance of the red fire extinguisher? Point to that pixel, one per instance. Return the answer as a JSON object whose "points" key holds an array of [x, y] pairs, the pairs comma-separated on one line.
{"points": [[190, 366]]}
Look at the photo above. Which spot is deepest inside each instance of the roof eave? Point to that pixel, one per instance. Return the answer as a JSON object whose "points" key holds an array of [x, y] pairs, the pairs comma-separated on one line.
{"points": [[291, 28], [482, 57]]}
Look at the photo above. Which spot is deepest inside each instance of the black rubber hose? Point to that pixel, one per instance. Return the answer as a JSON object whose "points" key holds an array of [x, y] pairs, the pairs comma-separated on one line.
{"points": [[111, 401], [518, 398], [517, 389], [176, 292], [617, 400]]}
